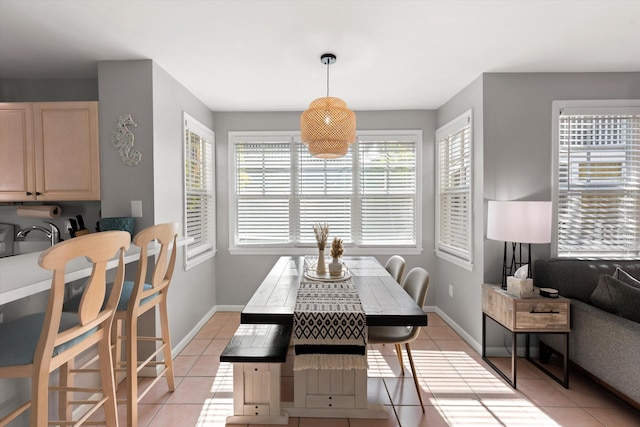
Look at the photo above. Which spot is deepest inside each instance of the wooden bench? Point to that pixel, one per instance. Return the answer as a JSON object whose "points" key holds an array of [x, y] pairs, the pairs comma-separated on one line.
{"points": [[257, 352]]}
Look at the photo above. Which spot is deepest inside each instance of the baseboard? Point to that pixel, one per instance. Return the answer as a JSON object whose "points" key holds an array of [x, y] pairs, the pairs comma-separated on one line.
{"points": [[187, 339], [459, 330], [229, 307]]}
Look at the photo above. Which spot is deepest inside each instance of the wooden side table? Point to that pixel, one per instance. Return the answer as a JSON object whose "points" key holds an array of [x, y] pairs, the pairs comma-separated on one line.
{"points": [[537, 315]]}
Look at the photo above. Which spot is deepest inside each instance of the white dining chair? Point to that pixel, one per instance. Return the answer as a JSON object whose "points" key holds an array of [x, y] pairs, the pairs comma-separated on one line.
{"points": [[395, 267], [416, 285]]}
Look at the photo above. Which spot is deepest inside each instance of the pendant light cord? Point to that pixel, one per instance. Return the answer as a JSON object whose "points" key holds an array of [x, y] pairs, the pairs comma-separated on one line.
{"points": [[328, 63]]}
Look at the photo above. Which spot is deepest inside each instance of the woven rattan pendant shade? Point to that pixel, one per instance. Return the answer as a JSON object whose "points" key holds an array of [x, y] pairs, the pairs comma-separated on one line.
{"points": [[328, 127]]}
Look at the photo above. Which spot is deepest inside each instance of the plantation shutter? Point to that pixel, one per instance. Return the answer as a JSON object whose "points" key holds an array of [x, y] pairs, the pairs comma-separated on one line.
{"points": [[325, 194], [454, 184], [198, 186], [369, 197], [387, 191], [598, 183], [263, 192]]}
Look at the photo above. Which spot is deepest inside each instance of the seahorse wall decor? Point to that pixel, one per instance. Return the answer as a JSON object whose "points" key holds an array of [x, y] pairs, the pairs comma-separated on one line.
{"points": [[122, 140]]}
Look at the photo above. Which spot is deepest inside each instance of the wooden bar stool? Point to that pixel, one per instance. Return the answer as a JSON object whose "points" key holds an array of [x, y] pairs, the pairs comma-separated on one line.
{"points": [[33, 346], [138, 297]]}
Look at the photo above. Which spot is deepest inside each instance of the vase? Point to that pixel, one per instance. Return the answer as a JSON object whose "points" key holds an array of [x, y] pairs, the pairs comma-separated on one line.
{"points": [[335, 267], [321, 268]]}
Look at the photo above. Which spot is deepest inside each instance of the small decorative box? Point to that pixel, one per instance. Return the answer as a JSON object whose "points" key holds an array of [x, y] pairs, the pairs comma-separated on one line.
{"points": [[117, 223], [521, 288]]}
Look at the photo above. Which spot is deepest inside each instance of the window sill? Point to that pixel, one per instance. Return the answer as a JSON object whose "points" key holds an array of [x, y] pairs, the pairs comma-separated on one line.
{"points": [[199, 259], [314, 251], [467, 265]]}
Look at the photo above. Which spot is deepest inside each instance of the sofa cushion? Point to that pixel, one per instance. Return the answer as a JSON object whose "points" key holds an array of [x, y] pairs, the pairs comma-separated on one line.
{"points": [[617, 297], [576, 278], [625, 277]]}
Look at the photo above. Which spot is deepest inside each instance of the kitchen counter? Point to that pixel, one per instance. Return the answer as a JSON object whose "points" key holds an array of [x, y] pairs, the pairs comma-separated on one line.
{"points": [[21, 276]]}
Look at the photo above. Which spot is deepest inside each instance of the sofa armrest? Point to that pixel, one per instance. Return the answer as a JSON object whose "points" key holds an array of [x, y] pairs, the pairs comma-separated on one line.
{"points": [[606, 345]]}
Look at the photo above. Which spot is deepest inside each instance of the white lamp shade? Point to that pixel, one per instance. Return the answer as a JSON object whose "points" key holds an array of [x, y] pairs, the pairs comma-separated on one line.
{"points": [[519, 221]]}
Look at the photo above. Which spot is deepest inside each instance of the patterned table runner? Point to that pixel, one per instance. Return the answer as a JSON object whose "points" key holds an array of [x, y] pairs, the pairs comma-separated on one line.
{"points": [[329, 327]]}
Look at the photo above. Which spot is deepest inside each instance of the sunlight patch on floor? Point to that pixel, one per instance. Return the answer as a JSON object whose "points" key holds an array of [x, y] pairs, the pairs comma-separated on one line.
{"points": [[215, 411], [509, 408], [470, 414], [223, 381], [378, 365], [522, 416]]}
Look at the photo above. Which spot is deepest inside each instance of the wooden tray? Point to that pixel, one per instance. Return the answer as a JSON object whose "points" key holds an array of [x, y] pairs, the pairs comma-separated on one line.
{"points": [[313, 275]]}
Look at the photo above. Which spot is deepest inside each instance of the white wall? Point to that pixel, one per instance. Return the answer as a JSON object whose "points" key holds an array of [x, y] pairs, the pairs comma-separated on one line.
{"points": [[238, 276]]}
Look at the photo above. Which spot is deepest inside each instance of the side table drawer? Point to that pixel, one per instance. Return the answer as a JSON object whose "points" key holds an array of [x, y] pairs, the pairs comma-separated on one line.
{"points": [[542, 315], [498, 306]]}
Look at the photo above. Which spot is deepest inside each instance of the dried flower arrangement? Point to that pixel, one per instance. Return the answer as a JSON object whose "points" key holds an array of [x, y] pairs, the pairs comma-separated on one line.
{"points": [[322, 232], [336, 248]]}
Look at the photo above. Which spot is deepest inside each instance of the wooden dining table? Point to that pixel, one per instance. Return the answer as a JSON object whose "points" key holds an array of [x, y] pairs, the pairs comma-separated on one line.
{"points": [[385, 303], [336, 392]]}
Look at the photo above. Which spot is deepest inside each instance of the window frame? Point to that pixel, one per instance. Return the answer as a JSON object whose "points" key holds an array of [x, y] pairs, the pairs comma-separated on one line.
{"points": [[458, 257], [583, 107], [195, 252], [298, 248]]}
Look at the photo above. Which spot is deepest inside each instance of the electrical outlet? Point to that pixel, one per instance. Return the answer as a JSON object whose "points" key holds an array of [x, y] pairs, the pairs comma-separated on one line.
{"points": [[450, 290]]}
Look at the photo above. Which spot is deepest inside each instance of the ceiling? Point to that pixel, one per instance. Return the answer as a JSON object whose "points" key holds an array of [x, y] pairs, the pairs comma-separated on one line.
{"points": [[264, 55]]}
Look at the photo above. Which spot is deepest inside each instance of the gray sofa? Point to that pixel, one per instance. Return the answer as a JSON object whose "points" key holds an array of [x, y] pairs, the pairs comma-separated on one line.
{"points": [[605, 345]]}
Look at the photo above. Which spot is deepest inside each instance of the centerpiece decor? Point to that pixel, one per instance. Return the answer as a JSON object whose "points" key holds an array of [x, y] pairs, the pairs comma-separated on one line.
{"points": [[337, 249], [322, 233]]}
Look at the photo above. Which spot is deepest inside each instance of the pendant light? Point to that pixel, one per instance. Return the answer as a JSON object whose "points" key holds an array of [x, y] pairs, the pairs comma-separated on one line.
{"points": [[328, 127]]}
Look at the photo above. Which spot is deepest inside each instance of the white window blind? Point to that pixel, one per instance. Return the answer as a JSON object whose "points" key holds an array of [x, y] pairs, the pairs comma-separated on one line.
{"points": [[598, 182], [368, 197], [263, 191], [199, 202], [388, 192], [324, 193], [454, 203]]}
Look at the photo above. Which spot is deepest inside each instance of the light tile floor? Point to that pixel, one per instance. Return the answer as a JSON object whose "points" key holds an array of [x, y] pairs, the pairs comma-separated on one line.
{"points": [[458, 388]]}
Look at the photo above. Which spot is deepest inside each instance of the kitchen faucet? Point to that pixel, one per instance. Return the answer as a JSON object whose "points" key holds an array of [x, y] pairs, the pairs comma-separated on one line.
{"points": [[53, 234]]}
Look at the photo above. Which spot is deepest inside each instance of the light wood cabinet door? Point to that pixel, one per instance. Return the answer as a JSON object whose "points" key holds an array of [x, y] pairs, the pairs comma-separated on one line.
{"points": [[49, 151], [67, 150], [17, 176]]}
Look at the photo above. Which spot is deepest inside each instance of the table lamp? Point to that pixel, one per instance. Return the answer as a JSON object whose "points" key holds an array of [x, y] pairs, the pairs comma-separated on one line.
{"points": [[519, 222]]}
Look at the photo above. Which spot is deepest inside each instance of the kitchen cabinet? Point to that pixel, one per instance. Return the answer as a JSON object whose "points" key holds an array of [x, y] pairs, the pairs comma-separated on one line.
{"points": [[49, 151]]}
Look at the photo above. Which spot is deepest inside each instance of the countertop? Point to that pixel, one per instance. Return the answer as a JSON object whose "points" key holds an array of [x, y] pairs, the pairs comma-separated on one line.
{"points": [[21, 276]]}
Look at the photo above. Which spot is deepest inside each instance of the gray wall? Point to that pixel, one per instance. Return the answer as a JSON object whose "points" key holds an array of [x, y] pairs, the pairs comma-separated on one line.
{"points": [[48, 90], [126, 87], [512, 160], [156, 102], [192, 293], [464, 307], [238, 276], [518, 134]]}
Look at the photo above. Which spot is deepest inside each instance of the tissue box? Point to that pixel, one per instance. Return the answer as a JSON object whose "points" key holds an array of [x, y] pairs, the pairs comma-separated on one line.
{"points": [[520, 288]]}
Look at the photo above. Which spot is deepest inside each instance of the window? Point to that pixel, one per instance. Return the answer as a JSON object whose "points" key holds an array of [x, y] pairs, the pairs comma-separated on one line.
{"points": [[453, 202], [369, 198], [199, 200], [597, 178]]}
